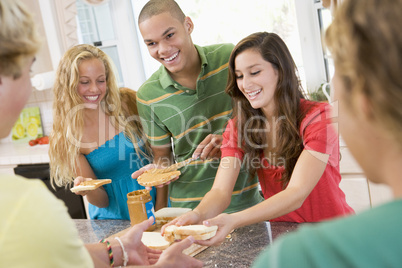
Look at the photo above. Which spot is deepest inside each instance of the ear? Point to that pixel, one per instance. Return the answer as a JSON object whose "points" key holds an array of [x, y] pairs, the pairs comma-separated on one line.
{"points": [[363, 104], [189, 25]]}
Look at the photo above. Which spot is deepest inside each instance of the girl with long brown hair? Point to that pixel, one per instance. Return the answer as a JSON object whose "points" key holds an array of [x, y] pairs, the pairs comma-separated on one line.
{"points": [[288, 141]]}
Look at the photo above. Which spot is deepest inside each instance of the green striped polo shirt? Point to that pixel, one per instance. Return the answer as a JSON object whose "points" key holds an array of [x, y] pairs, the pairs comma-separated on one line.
{"points": [[171, 113]]}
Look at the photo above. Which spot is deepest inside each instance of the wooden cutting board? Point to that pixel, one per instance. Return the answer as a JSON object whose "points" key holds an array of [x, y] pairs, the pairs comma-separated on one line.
{"points": [[193, 250]]}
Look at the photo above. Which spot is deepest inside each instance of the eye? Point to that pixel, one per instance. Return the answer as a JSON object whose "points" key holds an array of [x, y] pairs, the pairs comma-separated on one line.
{"points": [[255, 73], [150, 44], [238, 76], [84, 82], [169, 36]]}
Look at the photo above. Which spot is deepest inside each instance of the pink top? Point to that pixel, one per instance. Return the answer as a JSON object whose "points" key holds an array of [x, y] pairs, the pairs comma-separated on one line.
{"points": [[326, 200]]}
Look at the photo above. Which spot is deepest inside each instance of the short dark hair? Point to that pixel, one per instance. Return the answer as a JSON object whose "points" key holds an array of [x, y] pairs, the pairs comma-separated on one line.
{"points": [[156, 7]]}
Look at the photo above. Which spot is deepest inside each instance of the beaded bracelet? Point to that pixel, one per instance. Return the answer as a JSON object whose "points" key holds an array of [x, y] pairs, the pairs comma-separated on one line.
{"points": [[109, 250]]}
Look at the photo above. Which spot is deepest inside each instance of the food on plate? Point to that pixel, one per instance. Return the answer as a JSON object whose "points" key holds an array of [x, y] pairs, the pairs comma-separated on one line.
{"points": [[165, 215], [152, 178], [154, 240], [89, 185], [199, 232]]}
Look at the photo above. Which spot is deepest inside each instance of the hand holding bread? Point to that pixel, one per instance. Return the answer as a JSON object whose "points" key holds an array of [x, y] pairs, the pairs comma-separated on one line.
{"points": [[152, 175], [225, 223], [83, 185], [198, 232]]}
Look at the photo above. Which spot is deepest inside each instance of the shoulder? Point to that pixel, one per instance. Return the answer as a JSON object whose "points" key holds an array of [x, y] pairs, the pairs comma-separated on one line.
{"points": [[315, 111], [33, 213], [154, 82], [223, 50], [340, 241]]}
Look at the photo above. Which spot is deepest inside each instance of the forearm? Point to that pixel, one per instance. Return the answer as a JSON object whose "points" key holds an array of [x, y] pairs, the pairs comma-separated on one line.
{"points": [[219, 197], [161, 197], [212, 204], [98, 198], [100, 255], [278, 205]]}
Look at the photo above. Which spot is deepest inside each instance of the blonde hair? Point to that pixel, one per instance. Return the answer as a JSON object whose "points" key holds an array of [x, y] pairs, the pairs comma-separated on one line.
{"points": [[366, 43], [68, 118], [18, 37]]}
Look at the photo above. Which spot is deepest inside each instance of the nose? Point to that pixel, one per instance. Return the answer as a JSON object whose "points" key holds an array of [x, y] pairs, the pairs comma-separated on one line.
{"points": [[93, 87], [163, 48], [246, 82]]}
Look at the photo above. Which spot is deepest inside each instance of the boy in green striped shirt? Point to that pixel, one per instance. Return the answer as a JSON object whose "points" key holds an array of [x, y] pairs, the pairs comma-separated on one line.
{"points": [[183, 106]]}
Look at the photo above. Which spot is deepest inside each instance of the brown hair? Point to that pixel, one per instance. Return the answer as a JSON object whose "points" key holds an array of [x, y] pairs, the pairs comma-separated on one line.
{"points": [[156, 7], [287, 98], [366, 44]]}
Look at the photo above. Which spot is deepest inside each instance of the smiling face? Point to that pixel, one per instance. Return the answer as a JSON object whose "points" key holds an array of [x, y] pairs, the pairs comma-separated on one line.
{"points": [[168, 40], [257, 80], [92, 81]]}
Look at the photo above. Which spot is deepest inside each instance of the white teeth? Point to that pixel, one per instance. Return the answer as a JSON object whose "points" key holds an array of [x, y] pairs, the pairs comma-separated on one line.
{"points": [[172, 57], [252, 94], [91, 98]]}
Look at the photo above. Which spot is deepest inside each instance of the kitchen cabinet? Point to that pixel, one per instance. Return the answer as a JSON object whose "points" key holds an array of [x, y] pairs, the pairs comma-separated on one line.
{"points": [[33, 162], [361, 194]]}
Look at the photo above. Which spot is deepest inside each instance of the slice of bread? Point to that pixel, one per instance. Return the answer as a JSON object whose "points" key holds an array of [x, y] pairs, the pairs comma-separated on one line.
{"points": [[90, 185], [154, 240], [199, 232], [165, 215], [150, 178]]}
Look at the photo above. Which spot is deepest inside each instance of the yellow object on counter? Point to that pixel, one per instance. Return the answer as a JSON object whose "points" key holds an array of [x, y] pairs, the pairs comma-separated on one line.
{"points": [[28, 126]]}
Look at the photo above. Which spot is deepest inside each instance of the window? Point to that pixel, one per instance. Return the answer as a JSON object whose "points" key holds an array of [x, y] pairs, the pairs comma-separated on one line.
{"points": [[95, 27], [228, 21]]}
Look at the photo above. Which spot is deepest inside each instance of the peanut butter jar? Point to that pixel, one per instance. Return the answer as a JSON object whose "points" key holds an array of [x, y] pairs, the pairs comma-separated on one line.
{"points": [[140, 207]]}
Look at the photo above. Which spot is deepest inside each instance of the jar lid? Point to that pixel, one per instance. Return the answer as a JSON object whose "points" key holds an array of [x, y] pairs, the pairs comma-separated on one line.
{"points": [[138, 195]]}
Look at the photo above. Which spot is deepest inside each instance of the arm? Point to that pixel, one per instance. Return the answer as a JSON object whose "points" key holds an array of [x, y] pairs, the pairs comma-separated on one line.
{"points": [[96, 197], [209, 147], [163, 156], [218, 198], [308, 170], [139, 254]]}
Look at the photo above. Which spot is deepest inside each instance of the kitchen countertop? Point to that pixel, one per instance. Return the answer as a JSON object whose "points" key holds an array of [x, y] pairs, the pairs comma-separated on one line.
{"points": [[22, 153], [245, 242]]}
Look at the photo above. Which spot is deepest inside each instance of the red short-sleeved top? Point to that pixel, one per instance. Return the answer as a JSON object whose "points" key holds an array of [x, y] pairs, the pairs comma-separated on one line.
{"points": [[326, 200]]}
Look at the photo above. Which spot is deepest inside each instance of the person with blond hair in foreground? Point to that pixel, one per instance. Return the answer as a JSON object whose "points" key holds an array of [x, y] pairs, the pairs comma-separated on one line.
{"points": [[366, 45], [35, 228]]}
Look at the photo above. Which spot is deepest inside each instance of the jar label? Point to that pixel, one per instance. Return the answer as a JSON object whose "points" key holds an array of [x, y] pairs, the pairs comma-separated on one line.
{"points": [[149, 206]]}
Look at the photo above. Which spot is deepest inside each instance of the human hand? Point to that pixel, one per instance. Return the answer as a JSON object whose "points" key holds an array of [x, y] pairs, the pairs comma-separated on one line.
{"points": [[225, 224], [79, 180], [173, 256], [209, 147], [139, 172], [138, 253], [191, 217]]}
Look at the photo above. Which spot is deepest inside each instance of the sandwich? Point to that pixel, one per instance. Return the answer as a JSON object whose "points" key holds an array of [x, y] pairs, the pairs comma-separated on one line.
{"points": [[199, 232], [165, 215], [154, 240], [90, 185], [153, 178]]}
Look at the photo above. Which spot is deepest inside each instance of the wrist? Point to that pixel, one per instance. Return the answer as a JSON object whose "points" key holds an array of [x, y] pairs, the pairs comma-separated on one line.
{"points": [[199, 214], [124, 255]]}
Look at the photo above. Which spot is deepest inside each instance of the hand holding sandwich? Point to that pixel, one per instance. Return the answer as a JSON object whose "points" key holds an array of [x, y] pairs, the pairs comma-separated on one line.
{"points": [[225, 223], [141, 171], [191, 217]]}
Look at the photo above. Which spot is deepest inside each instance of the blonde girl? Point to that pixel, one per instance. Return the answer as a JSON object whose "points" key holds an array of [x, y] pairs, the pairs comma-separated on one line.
{"points": [[91, 137]]}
